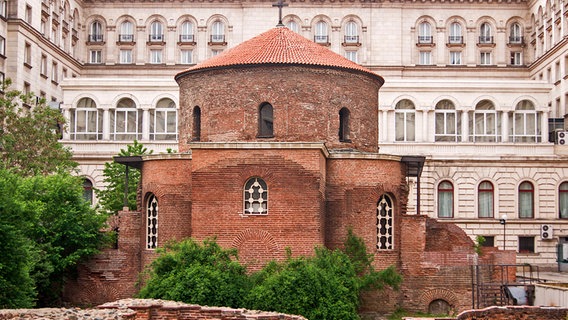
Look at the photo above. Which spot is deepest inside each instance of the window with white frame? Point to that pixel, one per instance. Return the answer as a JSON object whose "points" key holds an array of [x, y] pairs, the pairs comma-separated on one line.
{"points": [[2, 46], [86, 121], [445, 199], [126, 121], [515, 34], [447, 122], [351, 55], [516, 58], [186, 32], [126, 32], [217, 32], [485, 58], [405, 121], [321, 33], [125, 56], [485, 194], [385, 223], [28, 55], [524, 123], [425, 58], [526, 200], [3, 8], [351, 33], [54, 72], [186, 56], [2, 79], [485, 125], [95, 56], [152, 222], [456, 36], [455, 58], [156, 56], [28, 14], [485, 33], [156, 32], [293, 25], [163, 120], [96, 32], [563, 200], [43, 66], [255, 196], [425, 33]]}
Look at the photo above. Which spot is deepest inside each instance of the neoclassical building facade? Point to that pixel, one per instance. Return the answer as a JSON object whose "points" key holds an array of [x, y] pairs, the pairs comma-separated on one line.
{"points": [[478, 88]]}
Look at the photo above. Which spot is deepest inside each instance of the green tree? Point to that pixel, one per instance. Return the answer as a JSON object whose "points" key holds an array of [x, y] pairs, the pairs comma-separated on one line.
{"points": [[29, 135], [200, 274], [111, 198]]}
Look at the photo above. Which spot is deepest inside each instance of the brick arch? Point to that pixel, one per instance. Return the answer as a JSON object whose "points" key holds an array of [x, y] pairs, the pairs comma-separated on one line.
{"points": [[429, 296], [256, 247]]}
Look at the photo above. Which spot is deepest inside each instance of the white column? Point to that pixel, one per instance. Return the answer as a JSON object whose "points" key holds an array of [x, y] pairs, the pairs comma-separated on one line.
{"points": [[146, 122], [425, 128], [67, 115], [465, 125], [106, 122], [505, 126], [544, 127], [383, 129]]}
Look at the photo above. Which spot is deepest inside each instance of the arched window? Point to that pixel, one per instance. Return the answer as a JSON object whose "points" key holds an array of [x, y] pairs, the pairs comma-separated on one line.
{"points": [[445, 200], [515, 33], [526, 200], [525, 123], [152, 222], [163, 120], [425, 33], [186, 32], [485, 34], [96, 32], [156, 32], [321, 33], [126, 120], [448, 122], [344, 125], [196, 129], [255, 196], [293, 25], [265, 121], [385, 225], [455, 33], [351, 32], [126, 32], [88, 190], [485, 200], [405, 120], [485, 126], [218, 32], [563, 200], [86, 121]]}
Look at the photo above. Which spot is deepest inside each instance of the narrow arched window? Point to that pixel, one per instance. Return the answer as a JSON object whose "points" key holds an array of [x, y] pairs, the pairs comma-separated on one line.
{"points": [[344, 125], [88, 190], [525, 123], [86, 121], [526, 200], [152, 222], [186, 32], [265, 121], [293, 25], [448, 123], [156, 32], [563, 200], [196, 128], [445, 200], [321, 33], [96, 32], [126, 121], [485, 33], [455, 33], [217, 32], [485, 200], [485, 125], [425, 33], [404, 121], [126, 32], [255, 196], [385, 225], [163, 120], [515, 33]]}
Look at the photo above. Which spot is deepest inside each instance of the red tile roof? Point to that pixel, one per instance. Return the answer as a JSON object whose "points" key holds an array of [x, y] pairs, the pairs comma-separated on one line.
{"points": [[282, 46]]}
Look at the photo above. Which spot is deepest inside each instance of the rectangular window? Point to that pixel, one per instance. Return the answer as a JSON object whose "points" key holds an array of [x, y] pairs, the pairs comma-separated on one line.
{"points": [[64, 73], [351, 55], [125, 56], [2, 46], [489, 241], [3, 8], [43, 66], [54, 72], [425, 57], [186, 56], [155, 56], [485, 58], [526, 244], [28, 55], [2, 78], [557, 75], [28, 14], [96, 56], [215, 52], [516, 58], [43, 26], [455, 58]]}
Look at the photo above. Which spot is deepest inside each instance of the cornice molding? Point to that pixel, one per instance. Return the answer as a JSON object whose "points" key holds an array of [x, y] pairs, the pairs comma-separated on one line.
{"points": [[318, 2]]}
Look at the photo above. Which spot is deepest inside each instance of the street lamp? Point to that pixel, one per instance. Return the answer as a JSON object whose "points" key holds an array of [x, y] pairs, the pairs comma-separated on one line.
{"points": [[503, 221]]}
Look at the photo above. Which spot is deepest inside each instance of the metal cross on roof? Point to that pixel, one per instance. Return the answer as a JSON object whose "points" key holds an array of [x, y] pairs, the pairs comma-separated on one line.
{"points": [[280, 4]]}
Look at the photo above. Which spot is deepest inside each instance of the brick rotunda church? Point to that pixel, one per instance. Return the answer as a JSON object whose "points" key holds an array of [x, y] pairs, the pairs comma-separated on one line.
{"points": [[279, 149]]}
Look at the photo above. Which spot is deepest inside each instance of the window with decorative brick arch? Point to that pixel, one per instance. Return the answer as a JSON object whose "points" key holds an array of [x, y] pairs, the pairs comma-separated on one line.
{"points": [[152, 222], [344, 125], [255, 197], [385, 223]]}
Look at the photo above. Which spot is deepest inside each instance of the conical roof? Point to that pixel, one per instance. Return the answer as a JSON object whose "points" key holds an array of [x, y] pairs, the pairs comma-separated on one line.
{"points": [[279, 46]]}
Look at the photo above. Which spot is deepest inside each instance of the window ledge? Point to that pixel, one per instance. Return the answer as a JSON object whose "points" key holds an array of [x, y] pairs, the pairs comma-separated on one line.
{"points": [[43, 76], [29, 66]]}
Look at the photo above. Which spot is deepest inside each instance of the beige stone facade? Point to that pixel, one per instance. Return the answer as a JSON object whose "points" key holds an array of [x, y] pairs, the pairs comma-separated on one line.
{"points": [[479, 88]]}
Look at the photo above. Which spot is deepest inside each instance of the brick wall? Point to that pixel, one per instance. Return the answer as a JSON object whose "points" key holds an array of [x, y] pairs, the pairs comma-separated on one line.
{"points": [[515, 313]]}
